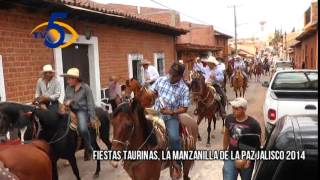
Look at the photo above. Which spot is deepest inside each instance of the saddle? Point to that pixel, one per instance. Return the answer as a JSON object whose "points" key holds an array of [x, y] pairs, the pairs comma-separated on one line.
{"points": [[186, 139], [5, 173]]}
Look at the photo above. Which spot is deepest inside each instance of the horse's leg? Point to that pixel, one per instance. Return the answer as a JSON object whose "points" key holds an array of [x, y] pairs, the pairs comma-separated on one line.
{"points": [[209, 131], [186, 169], [54, 170], [95, 146], [198, 122], [73, 162]]}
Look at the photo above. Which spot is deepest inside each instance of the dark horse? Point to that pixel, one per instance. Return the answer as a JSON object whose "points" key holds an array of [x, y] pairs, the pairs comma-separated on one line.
{"points": [[133, 131], [207, 105], [56, 131]]}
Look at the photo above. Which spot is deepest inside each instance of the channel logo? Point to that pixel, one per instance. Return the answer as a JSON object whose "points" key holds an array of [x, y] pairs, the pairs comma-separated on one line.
{"points": [[54, 33]]}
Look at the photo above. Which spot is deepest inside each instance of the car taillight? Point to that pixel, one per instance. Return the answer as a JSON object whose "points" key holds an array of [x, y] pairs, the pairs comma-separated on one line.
{"points": [[272, 114]]}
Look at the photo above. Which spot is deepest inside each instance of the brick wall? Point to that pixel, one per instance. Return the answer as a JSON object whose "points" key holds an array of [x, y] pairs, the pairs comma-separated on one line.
{"points": [[24, 56]]}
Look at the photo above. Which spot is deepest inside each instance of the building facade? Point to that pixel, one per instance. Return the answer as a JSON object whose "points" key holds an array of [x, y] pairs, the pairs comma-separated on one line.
{"points": [[109, 43]]}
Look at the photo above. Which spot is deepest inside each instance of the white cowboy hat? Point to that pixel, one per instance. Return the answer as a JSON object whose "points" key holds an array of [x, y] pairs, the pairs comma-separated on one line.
{"points": [[181, 61], [72, 72], [239, 102], [47, 68], [145, 61], [211, 59]]}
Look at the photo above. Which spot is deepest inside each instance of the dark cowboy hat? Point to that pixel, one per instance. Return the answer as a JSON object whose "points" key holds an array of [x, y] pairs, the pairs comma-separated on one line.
{"points": [[177, 69]]}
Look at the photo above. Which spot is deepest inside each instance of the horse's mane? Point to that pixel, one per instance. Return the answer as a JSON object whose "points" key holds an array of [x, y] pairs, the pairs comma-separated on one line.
{"points": [[131, 108]]}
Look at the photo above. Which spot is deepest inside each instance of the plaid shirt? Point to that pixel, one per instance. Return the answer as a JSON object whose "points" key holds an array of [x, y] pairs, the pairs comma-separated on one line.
{"points": [[174, 95]]}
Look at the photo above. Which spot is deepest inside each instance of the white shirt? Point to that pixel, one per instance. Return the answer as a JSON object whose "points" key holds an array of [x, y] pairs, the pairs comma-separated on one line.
{"points": [[207, 73], [221, 67], [151, 74]]}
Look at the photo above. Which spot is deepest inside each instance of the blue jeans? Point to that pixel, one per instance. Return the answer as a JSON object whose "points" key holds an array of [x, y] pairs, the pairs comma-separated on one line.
{"points": [[172, 126], [231, 173], [83, 118]]}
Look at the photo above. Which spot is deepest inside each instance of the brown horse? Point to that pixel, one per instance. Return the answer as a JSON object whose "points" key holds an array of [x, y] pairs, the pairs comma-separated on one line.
{"points": [[133, 131], [238, 83], [141, 93], [229, 71], [207, 106], [26, 161], [258, 70], [250, 70]]}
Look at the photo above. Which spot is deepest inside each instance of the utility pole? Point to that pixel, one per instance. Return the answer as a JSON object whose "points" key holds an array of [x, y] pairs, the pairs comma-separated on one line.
{"points": [[235, 28]]}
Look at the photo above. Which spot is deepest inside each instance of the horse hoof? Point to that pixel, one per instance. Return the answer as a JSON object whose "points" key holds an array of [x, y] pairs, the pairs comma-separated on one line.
{"points": [[186, 178], [208, 145], [96, 175]]}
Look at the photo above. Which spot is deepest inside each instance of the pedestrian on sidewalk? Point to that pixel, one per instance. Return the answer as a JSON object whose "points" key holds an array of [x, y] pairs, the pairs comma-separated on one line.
{"points": [[238, 123]]}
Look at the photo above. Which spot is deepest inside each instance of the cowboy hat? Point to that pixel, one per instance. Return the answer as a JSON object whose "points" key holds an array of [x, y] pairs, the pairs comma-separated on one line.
{"points": [[211, 59], [72, 72], [239, 102], [145, 61], [47, 68], [181, 61]]}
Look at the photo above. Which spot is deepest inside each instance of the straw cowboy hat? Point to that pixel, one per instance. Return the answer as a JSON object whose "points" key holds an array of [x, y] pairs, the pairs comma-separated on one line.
{"points": [[72, 72], [239, 102], [211, 59], [144, 62], [47, 68]]}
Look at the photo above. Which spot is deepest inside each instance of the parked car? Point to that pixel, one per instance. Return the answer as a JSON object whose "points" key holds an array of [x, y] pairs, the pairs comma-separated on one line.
{"points": [[290, 92], [297, 133]]}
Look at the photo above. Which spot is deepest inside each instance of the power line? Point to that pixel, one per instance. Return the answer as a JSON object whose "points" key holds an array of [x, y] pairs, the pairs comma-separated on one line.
{"points": [[191, 17]]}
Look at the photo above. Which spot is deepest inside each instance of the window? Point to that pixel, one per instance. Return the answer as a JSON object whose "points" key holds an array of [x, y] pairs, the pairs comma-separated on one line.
{"points": [[159, 63], [296, 81], [2, 87], [134, 66]]}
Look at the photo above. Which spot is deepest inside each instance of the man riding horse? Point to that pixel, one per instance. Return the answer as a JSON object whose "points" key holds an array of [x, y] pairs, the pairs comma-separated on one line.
{"points": [[173, 99], [48, 88], [239, 64], [215, 78], [79, 98]]}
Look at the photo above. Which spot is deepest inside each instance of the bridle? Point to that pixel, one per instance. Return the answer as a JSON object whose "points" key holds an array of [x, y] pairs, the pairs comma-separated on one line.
{"points": [[199, 93], [126, 143]]}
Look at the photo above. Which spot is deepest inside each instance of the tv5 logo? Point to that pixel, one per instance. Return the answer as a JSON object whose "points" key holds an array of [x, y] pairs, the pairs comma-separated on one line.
{"points": [[54, 34]]}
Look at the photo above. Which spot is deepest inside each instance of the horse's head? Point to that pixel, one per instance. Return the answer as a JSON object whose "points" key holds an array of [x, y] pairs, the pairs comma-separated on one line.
{"points": [[238, 74], [14, 115], [197, 84], [141, 93], [130, 127]]}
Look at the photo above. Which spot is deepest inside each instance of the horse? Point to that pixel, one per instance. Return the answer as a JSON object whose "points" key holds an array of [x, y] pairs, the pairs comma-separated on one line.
{"points": [[258, 70], [239, 83], [57, 130], [141, 93], [229, 71], [207, 105], [133, 131], [250, 70], [25, 161]]}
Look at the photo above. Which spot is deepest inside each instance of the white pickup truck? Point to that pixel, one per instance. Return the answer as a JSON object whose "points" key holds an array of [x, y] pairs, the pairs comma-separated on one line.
{"points": [[290, 92]]}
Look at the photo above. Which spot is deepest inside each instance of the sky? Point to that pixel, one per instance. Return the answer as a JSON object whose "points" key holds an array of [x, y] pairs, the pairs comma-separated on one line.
{"points": [[285, 14]]}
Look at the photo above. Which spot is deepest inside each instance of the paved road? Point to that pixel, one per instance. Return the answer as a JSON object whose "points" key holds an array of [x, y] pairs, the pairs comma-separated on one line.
{"points": [[202, 170]]}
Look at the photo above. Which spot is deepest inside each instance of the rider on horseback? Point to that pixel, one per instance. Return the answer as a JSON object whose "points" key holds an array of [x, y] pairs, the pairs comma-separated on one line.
{"points": [[79, 98], [173, 99], [215, 78], [239, 64], [48, 89]]}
